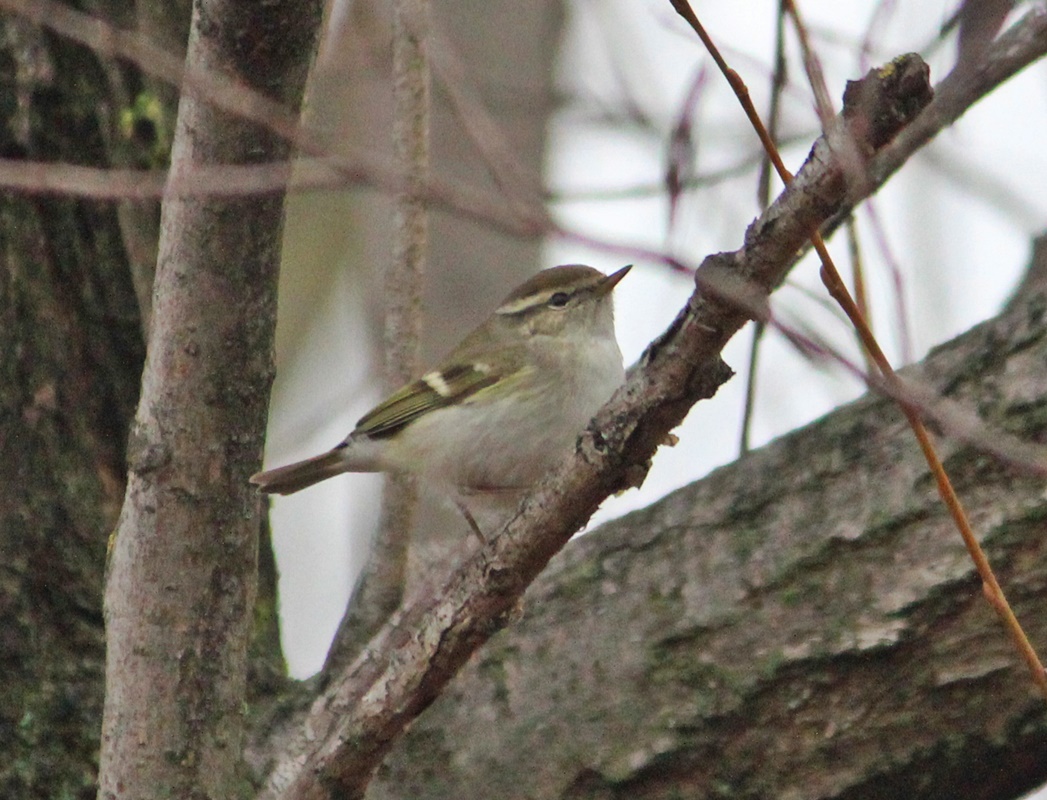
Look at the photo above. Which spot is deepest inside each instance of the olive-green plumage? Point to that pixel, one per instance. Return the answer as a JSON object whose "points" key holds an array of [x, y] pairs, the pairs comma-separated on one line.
{"points": [[505, 405]]}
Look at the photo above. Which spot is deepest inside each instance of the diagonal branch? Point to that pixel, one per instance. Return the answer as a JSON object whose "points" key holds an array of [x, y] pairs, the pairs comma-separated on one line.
{"points": [[801, 623], [352, 726]]}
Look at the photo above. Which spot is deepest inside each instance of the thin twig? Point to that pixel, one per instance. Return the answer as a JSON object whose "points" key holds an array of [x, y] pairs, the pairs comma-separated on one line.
{"points": [[403, 281], [683, 8], [991, 586], [894, 269], [861, 298], [510, 175], [763, 194]]}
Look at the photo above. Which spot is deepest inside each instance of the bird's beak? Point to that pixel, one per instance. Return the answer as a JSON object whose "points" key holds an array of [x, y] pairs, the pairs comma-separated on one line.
{"points": [[607, 284]]}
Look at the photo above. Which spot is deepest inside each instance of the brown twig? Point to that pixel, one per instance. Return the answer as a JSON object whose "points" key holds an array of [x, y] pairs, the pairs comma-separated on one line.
{"points": [[683, 8], [838, 291], [763, 195], [854, 248], [901, 310], [991, 586], [314, 174], [504, 165], [959, 423], [812, 65], [847, 153]]}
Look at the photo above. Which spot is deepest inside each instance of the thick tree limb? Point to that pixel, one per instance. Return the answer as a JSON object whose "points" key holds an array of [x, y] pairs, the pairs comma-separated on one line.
{"points": [[182, 571], [802, 623], [352, 726]]}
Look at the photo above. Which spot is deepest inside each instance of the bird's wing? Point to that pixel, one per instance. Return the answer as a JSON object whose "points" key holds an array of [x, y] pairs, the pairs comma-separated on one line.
{"points": [[435, 389]]}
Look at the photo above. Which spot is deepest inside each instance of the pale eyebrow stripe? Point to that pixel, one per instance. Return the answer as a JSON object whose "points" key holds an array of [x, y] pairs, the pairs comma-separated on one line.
{"points": [[524, 303]]}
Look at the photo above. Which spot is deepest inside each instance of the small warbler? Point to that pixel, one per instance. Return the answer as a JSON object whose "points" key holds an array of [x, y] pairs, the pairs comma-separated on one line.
{"points": [[502, 409]]}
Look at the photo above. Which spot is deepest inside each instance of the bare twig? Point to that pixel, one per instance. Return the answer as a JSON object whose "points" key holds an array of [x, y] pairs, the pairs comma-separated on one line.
{"points": [[901, 309], [952, 418], [812, 65], [844, 148], [515, 181], [231, 180], [403, 284], [854, 249], [682, 150], [763, 194]]}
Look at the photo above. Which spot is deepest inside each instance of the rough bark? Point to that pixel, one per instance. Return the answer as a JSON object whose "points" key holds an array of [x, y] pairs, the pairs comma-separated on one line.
{"points": [[182, 575], [802, 623], [71, 353]]}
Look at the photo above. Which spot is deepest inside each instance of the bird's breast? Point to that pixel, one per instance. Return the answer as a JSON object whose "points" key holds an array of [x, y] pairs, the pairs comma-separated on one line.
{"points": [[509, 439]]}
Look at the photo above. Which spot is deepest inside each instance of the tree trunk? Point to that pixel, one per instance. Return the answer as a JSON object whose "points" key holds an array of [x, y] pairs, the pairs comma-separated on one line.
{"points": [[802, 623], [71, 357], [182, 577]]}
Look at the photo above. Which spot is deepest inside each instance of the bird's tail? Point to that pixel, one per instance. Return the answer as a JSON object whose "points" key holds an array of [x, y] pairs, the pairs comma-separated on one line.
{"points": [[302, 474]]}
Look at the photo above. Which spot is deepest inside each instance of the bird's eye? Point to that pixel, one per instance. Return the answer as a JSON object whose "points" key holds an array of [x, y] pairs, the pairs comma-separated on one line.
{"points": [[559, 300]]}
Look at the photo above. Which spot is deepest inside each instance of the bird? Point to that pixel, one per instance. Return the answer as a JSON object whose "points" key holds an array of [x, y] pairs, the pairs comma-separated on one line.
{"points": [[504, 406]]}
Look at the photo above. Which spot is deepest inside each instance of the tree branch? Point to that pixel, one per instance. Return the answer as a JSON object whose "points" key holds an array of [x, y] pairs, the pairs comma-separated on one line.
{"points": [[183, 566], [1019, 46], [380, 587], [354, 723]]}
